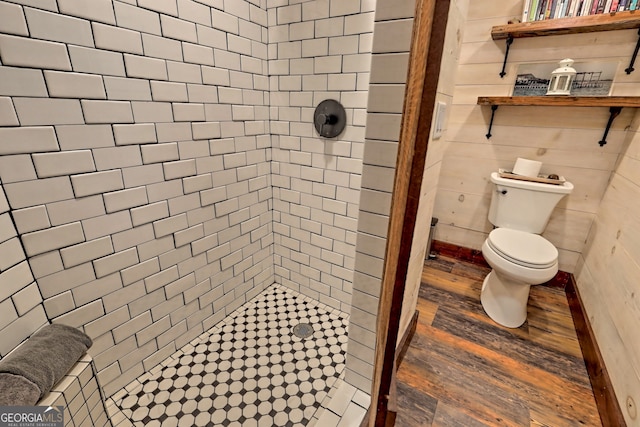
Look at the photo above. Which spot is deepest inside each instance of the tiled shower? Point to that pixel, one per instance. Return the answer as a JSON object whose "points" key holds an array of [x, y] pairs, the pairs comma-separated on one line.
{"points": [[248, 370], [160, 170]]}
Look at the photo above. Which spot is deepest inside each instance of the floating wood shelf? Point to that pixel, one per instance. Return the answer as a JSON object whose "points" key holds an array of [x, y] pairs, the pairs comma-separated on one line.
{"points": [[615, 104], [562, 101], [581, 24]]}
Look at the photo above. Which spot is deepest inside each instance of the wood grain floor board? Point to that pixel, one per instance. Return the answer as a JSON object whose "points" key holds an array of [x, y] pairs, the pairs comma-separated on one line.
{"points": [[518, 347], [462, 300], [550, 323], [417, 408], [427, 311], [442, 264], [465, 385], [449, 416], [471, 271], [478, 373], [519, 377]]}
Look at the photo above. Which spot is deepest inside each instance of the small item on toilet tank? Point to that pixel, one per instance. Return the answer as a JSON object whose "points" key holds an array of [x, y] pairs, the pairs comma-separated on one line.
{"points": [[526, 167], [553, 176]]}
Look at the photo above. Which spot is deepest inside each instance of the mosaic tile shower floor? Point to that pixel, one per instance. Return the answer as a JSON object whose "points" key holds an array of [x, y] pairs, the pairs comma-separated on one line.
{"points": [[249, 370]]}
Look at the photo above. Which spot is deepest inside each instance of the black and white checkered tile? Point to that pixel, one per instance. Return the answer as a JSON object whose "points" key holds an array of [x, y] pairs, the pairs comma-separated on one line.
{"points": [[250, 370]]}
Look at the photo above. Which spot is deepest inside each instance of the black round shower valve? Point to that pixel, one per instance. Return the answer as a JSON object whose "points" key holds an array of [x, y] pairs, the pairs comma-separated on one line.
{"points": [[330, 118]]}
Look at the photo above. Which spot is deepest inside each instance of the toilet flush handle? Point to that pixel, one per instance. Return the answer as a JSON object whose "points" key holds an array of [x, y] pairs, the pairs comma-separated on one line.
{"points": [[503, 192]]}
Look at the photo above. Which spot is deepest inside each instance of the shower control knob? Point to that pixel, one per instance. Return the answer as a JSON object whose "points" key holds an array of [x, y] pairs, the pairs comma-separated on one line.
{"points": [[326, 119], [330, 118]]}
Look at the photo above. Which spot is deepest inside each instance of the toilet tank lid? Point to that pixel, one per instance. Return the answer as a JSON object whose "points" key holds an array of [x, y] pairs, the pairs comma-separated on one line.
{"points": [[565, 188], [524, 247]]}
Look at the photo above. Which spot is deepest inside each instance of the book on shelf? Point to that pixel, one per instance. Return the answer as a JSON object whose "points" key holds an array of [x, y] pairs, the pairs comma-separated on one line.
{"points": [[598, 7], [607, 6], [575, 7], [560, 7], [550, 5], [525, 10], [535, 10], [543, 8], [538, 10], [533, 6]]}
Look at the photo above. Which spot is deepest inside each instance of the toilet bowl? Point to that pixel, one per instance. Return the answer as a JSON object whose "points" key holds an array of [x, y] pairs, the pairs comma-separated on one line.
{"points": [[519, 259], [519, 256]]}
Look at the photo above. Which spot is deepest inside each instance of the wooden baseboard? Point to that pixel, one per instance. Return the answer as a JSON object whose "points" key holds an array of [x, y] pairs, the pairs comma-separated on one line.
{"points": [[401, 350], [403, 345], [474, 256], [608, 407]]}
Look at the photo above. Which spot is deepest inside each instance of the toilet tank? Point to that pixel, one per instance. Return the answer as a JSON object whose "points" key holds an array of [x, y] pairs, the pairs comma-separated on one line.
{"points": [[524, 205]]}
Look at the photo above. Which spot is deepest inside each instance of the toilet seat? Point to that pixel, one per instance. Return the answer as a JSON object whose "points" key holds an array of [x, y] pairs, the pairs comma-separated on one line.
{"points": [[522, 248]]}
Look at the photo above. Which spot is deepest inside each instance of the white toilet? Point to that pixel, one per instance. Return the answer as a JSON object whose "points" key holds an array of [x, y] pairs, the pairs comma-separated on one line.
{"points": [[516, 252]]}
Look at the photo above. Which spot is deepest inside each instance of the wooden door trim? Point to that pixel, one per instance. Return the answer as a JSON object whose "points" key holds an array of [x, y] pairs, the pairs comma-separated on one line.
{"points": [[427, 45]]}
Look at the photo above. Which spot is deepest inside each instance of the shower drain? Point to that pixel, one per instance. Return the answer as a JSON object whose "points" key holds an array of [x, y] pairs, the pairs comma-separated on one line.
{"points": [[303, 330]]}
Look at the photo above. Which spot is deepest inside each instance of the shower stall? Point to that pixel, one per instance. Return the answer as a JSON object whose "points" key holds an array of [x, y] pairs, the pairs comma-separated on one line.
{"points": [[163, 189]]}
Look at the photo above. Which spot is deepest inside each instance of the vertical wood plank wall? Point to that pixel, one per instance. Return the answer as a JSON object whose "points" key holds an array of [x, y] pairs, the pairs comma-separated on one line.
{"points": [[596, 227], [563, 139], [608, 278]]}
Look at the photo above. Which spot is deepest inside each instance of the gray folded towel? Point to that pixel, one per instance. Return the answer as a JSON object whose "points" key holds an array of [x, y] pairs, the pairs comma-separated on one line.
{"points": [[16, 390], [47, 356]]}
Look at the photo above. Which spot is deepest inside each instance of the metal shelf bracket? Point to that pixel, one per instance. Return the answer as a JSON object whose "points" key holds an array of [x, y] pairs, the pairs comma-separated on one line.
{"points": [[506, 55], [630, 68], [493, 114], [613, 113]]}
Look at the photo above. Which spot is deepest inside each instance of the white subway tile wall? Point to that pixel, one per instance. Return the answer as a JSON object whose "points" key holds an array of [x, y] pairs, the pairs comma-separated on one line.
{"points": [[161, 166], [21, 307], [141, 224], [315, 180], [377, 166]]}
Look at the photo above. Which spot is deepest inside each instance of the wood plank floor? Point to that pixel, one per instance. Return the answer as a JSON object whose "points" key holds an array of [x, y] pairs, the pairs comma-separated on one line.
{"points": [[463, 369]]}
